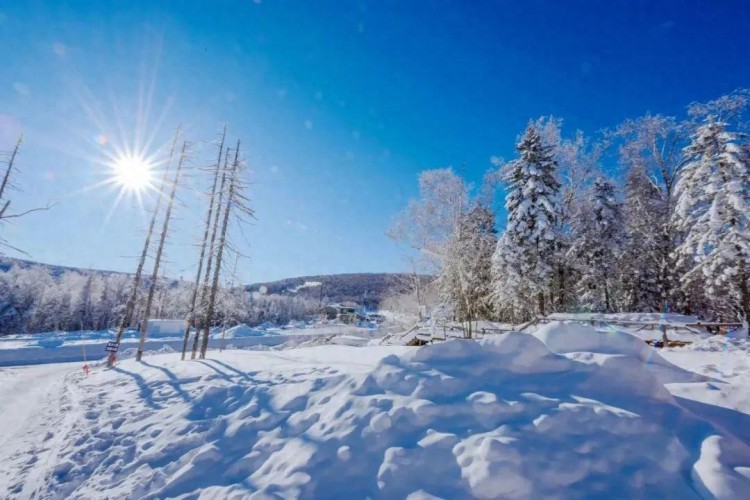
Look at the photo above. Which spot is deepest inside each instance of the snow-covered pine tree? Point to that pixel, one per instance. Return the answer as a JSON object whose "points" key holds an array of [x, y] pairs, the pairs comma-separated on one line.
{"points": [[466, 279], [651, 151], [597, 247], [641, 259], [82, 307], [713, 215], [577, 164], [523, 262]]}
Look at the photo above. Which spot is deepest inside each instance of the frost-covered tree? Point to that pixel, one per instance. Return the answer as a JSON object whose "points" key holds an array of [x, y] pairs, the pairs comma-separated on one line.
{"points": [[578, 162], [598, 244], [651, 153], [523, 262], [642, 259], [713, 215], [430, 221], [466, 280], [425, 229]]}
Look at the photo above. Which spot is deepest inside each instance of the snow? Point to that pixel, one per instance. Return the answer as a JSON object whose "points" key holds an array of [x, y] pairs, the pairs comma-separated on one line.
{"points": [[159, 328], [306, 284], [645, 326], [565, 412], [63, 347], [639, 317], [240, 331]]}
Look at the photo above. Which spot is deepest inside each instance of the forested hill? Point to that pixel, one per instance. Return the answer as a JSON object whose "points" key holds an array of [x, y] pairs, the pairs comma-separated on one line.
{"points": [[362, 288], [354, 287], [37, 297], [54, 270]]}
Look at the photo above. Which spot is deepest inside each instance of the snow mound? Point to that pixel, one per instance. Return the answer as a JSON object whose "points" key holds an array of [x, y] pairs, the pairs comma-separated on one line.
{"points": [[720, 343], [508, 417], [350, 340], [635, 317], [240, 331]]}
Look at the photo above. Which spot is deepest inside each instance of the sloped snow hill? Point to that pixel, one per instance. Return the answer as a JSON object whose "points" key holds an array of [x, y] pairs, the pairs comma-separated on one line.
{"points": [[567, 412]]}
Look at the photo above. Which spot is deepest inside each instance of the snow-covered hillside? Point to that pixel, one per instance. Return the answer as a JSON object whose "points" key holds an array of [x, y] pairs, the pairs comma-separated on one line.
{"points": [[566, 412]]}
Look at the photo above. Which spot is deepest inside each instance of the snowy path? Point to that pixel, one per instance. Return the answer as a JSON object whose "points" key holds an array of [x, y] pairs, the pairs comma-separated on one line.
{"points": [[33, 404]]}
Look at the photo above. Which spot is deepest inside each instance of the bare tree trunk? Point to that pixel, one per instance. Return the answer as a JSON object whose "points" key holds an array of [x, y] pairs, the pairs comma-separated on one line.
{"points": [[130, 306], [214, 230], [744, 293], [8, 171], [220, 252], [226, 313], [159, 251], [190, 320], [562, 299], [540, 299]]}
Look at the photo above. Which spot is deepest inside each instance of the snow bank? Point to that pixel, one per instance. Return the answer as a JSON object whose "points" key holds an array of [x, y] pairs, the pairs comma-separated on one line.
{"points": [[635, 317], [507, 417], [240, 331], [617, 349]]}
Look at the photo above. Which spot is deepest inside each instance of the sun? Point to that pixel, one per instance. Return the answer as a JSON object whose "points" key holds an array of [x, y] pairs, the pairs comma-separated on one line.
{"points": [[133, 173]]}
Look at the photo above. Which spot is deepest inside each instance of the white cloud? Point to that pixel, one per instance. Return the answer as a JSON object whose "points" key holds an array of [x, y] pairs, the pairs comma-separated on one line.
{"points": [[59, 49], [22, 89]]}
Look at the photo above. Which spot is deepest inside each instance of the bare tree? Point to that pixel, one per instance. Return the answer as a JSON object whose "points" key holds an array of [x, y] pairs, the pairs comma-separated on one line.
{"points": [[130, 306], [160, 250], [211, 251], [5, 186], [220, 251], [190, 321], [6, 176]]}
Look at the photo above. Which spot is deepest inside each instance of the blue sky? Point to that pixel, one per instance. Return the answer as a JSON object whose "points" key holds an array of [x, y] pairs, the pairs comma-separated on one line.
{"points": [[339, 106]]}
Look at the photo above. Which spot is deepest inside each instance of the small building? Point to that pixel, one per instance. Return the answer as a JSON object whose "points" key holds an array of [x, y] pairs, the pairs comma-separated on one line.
{"points": [[345, 314], [160, 328]]}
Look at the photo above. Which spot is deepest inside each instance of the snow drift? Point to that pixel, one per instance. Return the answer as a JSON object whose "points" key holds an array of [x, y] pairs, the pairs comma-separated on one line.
{"points": [[564, 413]]}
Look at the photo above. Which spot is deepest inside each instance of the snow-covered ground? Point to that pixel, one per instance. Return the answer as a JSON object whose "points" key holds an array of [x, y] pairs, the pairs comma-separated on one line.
{"points": [[64, 347], [566, 412]]}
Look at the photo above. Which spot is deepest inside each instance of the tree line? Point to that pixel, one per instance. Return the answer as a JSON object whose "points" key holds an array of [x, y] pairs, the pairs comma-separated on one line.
{"points": [[653, 215], [36, 298]]}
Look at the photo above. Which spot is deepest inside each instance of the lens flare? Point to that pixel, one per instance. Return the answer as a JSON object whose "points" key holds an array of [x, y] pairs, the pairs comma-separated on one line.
{"points": [[133, 173]]}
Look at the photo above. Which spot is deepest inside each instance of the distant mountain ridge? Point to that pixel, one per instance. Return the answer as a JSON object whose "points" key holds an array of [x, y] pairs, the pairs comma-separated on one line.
{"points": [[363, 288], [367, 289], [54, 269]]}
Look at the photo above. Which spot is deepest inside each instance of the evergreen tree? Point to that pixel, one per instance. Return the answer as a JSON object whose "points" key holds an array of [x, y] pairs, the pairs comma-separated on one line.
{"points": [[651, 152], [713, 214], [597, 247], [523, 263], [640, 263]]}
